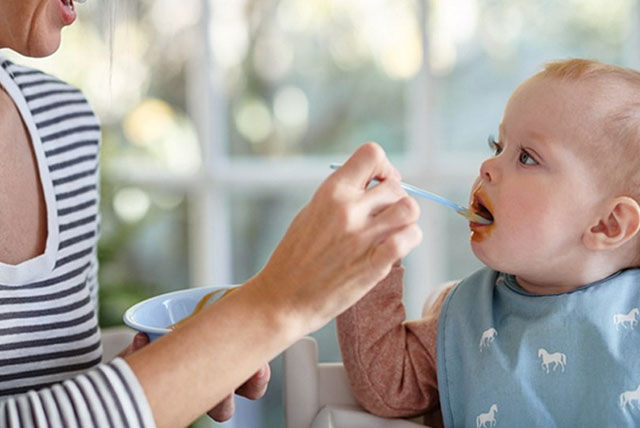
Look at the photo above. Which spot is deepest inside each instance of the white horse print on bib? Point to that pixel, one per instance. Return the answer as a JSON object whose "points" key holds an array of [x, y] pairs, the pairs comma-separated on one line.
{"points": [[486, 420], [487, 337], [627, 320], [558, 359], [630, 397]]}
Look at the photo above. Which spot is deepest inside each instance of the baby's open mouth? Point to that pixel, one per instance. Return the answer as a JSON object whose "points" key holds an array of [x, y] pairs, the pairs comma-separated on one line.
{"points": [[479, 208]]}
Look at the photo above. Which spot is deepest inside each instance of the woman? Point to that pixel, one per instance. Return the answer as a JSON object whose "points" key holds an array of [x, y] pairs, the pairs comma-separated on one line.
{"points": [[339, 245]]}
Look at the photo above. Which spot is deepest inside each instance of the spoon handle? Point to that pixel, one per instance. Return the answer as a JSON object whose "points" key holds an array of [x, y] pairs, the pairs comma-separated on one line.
{"points": [[418, 192], [465, 212]]}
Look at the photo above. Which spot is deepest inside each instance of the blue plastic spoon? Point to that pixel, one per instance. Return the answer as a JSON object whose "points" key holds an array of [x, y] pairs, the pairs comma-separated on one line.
{"points": [[465, 212]]}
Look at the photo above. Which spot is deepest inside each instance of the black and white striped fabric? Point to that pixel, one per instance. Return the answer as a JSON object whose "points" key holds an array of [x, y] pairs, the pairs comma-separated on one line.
{"points": [[50, 350]]}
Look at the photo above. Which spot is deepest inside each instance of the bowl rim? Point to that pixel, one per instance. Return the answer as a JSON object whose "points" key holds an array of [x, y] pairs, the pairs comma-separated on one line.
{"points": [[129, 320]]}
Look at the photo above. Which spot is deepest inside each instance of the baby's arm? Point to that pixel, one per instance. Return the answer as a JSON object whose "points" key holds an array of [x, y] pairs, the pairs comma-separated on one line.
{"points": [[391, 364]]}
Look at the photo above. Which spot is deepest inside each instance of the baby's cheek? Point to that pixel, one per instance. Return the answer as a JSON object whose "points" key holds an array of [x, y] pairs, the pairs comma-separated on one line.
{"points": [[513, 239], [539, 243]]}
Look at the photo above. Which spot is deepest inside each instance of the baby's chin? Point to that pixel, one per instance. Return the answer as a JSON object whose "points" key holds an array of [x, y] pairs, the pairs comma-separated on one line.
{"points": [[494, 261], [500, 262]]}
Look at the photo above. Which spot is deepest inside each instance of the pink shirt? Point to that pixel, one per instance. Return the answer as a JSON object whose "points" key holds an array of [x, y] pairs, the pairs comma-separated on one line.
{"points": [[390, 362]]}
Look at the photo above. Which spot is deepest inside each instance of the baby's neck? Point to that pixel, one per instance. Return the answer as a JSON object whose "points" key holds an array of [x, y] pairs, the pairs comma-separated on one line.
{"points": [[571, 280]]}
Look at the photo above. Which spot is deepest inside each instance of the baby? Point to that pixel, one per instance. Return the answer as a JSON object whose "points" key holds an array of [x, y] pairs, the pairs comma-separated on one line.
{"points": [[547, 334]]}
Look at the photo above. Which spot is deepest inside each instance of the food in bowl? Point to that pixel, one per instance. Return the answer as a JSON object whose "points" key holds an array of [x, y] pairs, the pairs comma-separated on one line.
{"points": [[156, 314], [201, 304]]}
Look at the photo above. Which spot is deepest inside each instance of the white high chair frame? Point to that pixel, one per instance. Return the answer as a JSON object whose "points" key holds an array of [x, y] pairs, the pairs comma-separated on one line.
{"points": [[318, 395], [114, 340]]}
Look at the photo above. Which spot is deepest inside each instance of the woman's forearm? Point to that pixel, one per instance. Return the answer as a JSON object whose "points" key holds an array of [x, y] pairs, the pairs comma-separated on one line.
{"points": [[335, 250], [185, 373]]}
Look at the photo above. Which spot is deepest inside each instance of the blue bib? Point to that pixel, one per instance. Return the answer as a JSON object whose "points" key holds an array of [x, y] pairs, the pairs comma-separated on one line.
{"points": [[508, 358]]}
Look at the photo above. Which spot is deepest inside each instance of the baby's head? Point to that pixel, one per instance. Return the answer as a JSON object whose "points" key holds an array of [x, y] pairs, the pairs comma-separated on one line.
{"points": [[564, 184]]}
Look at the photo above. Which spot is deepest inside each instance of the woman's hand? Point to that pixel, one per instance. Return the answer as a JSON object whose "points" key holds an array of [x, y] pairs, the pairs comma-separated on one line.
{"points": [[253, 389], [139, 341], [343, 241], [337, 248]]}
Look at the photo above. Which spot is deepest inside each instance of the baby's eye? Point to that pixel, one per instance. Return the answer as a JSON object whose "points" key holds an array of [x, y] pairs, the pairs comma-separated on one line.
{"points": [[526, 158], [496, 148]]}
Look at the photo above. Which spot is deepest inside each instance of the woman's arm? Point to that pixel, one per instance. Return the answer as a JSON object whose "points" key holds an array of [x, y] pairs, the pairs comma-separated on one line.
{"points": [[254, 388], [338, 247]]}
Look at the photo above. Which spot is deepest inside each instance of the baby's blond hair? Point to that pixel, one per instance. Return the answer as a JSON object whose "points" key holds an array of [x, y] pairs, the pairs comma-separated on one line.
{"points": [[576, 68], [617, 151]]}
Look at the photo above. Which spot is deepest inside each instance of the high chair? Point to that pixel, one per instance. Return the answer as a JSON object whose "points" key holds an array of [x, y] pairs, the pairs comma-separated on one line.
{"points": [[114, 340], [318, 395]]}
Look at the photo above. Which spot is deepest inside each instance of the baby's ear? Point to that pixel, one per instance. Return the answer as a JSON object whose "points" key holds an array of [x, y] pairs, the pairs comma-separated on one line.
{"points": [[618, 225]]}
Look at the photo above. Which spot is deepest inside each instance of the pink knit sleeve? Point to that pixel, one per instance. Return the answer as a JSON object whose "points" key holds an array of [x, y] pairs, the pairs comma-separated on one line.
{"points": [[390, 363]]}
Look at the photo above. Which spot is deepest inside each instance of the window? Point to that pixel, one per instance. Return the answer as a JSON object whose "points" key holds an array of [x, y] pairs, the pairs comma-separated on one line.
{"points": [[221, 118]]}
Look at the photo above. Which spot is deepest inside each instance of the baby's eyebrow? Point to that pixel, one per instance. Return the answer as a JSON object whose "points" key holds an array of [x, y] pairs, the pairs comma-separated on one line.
{"points": [[537, 138], [532, 136]]}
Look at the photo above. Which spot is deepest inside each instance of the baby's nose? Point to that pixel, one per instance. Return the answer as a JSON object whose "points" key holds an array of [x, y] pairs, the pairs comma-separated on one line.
{"points": [[488, 170]]}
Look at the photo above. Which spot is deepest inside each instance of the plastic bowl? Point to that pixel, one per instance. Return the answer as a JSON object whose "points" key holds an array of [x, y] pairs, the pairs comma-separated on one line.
{"points": [[154, 315]]}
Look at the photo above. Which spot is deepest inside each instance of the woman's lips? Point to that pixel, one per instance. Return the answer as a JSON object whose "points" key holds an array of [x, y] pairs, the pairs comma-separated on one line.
{"points": [[67, 11]]}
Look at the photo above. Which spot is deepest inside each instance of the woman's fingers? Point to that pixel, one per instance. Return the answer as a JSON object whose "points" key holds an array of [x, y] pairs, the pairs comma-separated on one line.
{"points": [[394, 247], [393, 217], [367, 163], [139, 340], [257, 384], [380, 196], [223, 410], [252, 389]]}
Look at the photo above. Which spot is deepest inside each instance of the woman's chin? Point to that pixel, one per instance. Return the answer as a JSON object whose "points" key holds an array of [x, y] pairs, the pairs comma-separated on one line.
{"points": [[47, 50], [40, 47]]}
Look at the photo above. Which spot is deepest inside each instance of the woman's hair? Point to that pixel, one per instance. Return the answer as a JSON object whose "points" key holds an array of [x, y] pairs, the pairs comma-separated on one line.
{"points": [[110, 26]]}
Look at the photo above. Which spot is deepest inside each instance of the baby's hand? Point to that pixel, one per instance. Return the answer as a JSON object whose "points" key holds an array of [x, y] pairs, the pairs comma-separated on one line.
{"points": [[252, 389]]}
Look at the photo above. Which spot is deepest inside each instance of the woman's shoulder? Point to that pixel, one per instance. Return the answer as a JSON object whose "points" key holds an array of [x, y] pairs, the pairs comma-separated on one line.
{"points": [[30, 79], [18, 71], [45, 95]]}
